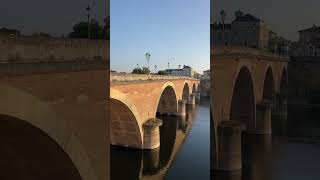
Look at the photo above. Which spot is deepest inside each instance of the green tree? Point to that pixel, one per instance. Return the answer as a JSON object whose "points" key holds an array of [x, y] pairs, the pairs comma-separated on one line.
{"points": [[144, 70], [106, 28], [80, 30], [162, 72], [137, 71]]}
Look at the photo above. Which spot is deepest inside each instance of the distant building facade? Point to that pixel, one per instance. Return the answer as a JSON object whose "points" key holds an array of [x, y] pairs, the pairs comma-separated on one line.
{"points": [[304, 66], [278, 44], [244, 30], [248, 30], [9, 32], [185, 71], [308, 44], [205, 84]]}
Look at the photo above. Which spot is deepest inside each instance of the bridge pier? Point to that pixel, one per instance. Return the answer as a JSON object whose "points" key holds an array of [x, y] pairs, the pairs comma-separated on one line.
{"points": [[263, 119], [151, 160], [151, 133], [281, 108], [198, 96], [181, 108], [192, 99], [229, 146]]}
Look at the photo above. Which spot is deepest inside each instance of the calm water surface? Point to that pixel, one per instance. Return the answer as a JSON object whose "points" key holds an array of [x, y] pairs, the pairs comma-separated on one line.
{"points": [[183, 154], [291, 153]]}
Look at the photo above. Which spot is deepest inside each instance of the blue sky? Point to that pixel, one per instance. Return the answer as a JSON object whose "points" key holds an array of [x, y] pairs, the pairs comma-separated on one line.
{"points": [[174, 31]]}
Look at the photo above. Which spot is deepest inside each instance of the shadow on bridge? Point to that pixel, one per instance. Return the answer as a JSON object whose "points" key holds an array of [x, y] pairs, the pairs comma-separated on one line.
{"points": [[29, 153]]}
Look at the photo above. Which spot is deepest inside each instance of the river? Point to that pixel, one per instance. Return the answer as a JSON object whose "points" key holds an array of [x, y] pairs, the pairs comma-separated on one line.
{"points": [[184, 151], [290, 153]]}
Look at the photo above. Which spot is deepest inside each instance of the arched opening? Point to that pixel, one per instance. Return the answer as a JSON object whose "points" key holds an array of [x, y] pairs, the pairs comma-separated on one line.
{"points": [[279, 113], [185, 92], [283, 87], [124, 129], [168, 102], [243, 103], [29, 153], [269, 92], [194, 89]]}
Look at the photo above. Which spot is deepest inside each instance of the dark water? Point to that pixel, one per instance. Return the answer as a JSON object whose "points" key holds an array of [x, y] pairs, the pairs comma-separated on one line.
{"points": [[291, 153], [183, 154]]}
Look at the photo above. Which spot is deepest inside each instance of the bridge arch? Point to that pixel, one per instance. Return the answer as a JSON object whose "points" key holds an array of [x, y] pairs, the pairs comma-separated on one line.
{"points": [[185, 92], [284, 82], [269, 89], [243, 100], [194, 88], [17, 104], [283, 92], [19, 139], [126, 125], [168, 101]]}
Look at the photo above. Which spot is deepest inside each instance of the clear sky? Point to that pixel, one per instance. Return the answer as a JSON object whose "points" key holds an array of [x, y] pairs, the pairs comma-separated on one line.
{"points": [[285, 17], [174, 31], [51, 16]]}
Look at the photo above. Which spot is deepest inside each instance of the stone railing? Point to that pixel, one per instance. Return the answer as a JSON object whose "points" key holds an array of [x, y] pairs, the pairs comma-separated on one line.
{"points": [[44, 49], [243, 51], [125, 77]]}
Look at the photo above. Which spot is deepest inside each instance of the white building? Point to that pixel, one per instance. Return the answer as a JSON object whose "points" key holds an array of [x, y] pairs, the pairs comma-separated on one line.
{"points": [[185, 71]]}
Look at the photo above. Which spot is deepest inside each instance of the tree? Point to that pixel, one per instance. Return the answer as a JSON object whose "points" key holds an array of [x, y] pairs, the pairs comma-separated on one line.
{"points": [[80, 30], [144, 70], [137, 71], [106, 28], [162, 72]]}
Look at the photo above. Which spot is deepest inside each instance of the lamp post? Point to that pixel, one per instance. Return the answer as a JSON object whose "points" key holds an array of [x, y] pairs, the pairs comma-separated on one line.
{"points": [[88, 10], [223, 15], [168, 65], [148, 55]]}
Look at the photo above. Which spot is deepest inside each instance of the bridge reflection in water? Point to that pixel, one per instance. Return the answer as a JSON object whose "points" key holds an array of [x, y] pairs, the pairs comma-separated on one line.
{"points": [[291, 152], [153, 164]]}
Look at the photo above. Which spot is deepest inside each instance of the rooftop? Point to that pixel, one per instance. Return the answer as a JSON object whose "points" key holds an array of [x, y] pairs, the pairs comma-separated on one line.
{"points": [[246, 18], [314, 28]]}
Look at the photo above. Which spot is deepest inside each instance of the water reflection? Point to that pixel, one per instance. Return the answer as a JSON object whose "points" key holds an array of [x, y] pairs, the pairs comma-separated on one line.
{"points": [[291, 152], [130, 164]]}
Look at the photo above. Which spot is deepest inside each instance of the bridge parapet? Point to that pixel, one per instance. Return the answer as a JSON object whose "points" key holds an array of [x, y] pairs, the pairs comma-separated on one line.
{"points": [[126, 77], [48, 49], [240, 51]]}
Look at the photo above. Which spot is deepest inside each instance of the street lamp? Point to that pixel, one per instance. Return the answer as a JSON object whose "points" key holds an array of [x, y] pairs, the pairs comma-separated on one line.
{"points": [[223, 15], [88, 9], [168, 65], [148, 55]]}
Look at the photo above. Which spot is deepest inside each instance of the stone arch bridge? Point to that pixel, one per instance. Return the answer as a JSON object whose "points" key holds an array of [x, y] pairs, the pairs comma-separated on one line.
{"points": [[53, 108], [248, 87], [135, 99]]}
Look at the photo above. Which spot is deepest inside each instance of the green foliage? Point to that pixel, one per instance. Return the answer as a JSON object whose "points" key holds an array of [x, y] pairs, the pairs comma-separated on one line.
{"points": [[80, 30], [106, 28], [144, 70], [162, 72]]}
